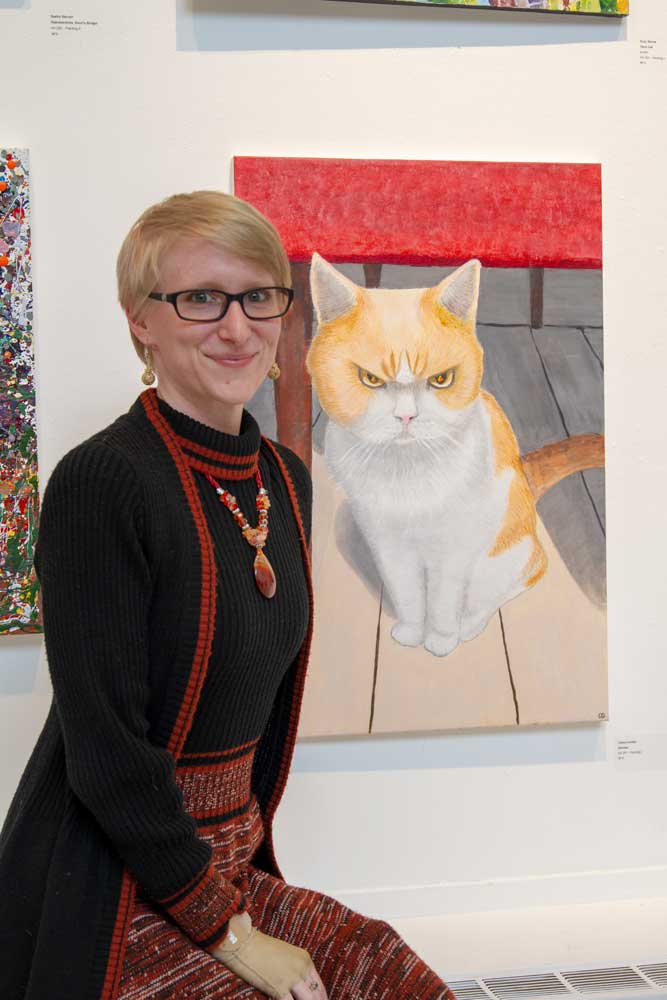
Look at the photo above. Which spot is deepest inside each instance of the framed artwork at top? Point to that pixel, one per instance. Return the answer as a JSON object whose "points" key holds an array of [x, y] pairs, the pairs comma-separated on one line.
{"points": [[601, 8]]}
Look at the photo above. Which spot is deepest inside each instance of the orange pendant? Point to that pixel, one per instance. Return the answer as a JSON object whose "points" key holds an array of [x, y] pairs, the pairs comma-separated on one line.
{"points": [[265, 578]]}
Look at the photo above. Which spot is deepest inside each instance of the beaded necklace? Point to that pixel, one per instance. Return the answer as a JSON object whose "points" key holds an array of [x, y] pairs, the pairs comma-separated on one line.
{"points": [[265, 577]]}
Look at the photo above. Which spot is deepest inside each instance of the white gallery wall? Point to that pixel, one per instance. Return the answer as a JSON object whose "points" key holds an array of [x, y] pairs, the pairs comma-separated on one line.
{"points": [[154, 98]]}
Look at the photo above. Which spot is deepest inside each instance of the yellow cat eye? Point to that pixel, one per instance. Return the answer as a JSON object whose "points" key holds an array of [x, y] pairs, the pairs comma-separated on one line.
{"points": [[443, 380], [370, 380]]}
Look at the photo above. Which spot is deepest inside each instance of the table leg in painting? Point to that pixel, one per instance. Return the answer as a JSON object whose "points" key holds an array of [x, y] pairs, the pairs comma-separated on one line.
{"points": [[537, 297], [292, 390], [373, 275]]}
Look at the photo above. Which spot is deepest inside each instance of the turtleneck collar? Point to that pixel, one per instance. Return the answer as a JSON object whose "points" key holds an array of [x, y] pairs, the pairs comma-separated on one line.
{"points": [[224, 455]]}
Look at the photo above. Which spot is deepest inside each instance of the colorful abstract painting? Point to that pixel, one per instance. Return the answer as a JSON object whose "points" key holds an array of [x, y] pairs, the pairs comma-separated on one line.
{"points": [[442, 376], [608, 8], [19, 497]]}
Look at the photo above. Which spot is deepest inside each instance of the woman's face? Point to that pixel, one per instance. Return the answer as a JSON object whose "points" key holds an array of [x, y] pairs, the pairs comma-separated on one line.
{"points": [[194, 361]]}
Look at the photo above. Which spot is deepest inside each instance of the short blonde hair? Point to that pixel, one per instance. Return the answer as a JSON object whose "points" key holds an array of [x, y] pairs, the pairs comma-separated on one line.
{"points": [[229, 222]]}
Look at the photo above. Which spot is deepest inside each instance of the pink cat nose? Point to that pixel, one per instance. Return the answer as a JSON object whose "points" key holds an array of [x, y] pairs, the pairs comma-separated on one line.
{"points": [[406, 420]]}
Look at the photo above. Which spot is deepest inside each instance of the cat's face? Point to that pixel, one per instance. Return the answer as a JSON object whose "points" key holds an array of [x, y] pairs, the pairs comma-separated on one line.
{"points": [[395, 364]]}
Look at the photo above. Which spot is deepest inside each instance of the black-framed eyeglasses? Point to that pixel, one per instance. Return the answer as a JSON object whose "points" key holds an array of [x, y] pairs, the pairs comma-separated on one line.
{"points": [[207, 305]]}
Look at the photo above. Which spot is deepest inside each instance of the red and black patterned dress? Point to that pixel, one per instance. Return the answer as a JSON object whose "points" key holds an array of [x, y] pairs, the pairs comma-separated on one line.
{"points": [[255, 641]]}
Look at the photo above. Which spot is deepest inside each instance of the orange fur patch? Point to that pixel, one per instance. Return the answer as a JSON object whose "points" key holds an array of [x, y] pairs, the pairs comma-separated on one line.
{"points": [[381, 327], [339, 390], [447, 319]]}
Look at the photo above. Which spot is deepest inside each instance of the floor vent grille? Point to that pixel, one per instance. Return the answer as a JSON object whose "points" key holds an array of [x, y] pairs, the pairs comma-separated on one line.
{"points": [[615, 982], [603, 980], [469, 989], [548, 985], [656, 973]]}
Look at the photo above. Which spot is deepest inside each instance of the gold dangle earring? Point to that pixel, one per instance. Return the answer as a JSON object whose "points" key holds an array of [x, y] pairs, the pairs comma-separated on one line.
{"points": [[148, 375], [274, 371]]}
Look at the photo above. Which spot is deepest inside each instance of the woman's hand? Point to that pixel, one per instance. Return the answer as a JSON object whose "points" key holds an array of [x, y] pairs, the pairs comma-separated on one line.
{"points": [[277, 968], [310, 988]]}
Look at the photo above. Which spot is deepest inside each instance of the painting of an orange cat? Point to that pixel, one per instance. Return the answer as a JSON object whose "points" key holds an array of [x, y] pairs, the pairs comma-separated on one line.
{"points": [[427, 459]]}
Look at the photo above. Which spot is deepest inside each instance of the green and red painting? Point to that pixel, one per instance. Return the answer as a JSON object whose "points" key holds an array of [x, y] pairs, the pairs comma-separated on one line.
{"points": [[19, 497], [603, 8]]}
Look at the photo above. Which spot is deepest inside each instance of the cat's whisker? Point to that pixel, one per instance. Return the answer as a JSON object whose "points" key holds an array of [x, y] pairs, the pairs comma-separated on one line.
{"points": [[436, 448], [351, 450], [358, 454], [446, 441]]}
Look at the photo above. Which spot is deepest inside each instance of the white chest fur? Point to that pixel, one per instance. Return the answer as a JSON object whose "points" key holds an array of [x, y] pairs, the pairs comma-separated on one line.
{"points": [[431, 510], [407, 491]]}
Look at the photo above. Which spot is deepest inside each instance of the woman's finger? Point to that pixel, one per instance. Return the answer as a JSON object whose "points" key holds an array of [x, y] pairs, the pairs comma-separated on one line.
{"points": [[310, 988]]}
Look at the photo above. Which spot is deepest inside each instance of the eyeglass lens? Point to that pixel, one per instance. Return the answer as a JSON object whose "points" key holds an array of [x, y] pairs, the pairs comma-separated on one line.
{"points": [[209, 304]]}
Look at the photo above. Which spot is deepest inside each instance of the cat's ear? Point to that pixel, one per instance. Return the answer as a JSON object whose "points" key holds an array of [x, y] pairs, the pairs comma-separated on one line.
{"points": [[459, 291], [334, 295]]}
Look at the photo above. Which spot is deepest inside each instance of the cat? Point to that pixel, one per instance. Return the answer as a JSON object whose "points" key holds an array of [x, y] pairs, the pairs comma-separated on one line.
{"points": [[427, 458]]}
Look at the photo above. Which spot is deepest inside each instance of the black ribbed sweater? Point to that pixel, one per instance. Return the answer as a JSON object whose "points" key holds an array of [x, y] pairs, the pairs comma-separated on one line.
{"points": [[147, 664], [255, 638]]}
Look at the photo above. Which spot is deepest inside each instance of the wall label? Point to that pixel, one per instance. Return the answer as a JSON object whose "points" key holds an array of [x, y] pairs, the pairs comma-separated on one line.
{"points": [[61, 24], [651, 52], [648, 750]]}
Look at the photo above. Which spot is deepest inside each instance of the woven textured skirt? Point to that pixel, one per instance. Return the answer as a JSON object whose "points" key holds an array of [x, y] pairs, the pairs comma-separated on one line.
{"points": [[358, 958]]}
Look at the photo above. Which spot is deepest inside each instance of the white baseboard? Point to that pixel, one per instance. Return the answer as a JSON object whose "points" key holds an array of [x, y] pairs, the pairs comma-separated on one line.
{"points": [[562, 889]]}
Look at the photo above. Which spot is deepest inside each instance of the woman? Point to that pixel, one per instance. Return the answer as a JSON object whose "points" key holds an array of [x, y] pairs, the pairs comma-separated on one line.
{"points": [[136, 861]]}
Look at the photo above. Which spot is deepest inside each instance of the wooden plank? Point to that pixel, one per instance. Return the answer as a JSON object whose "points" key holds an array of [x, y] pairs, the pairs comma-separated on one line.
{"points": [[576, 379], [339, 683], [572, 297], [417, 691], [596, 487], [556, 639], [513, 373], [595, 339], [574, 527]]}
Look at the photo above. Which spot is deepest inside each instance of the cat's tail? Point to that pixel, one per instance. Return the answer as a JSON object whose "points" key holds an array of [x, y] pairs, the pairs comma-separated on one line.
{"points": [[548, 465]]}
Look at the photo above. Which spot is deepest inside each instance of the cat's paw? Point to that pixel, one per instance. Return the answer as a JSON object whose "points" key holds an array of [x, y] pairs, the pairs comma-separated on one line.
{"points": [[408, 634], [441, 643], [472, 627]]}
